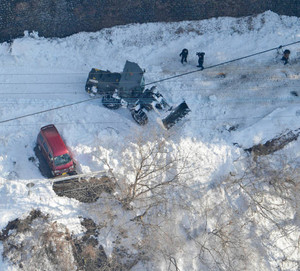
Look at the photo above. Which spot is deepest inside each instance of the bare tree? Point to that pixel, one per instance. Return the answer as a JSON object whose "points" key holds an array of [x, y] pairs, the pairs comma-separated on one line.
{"points": [[151, 168], [248, 220], [269, 189], [150, 185]]}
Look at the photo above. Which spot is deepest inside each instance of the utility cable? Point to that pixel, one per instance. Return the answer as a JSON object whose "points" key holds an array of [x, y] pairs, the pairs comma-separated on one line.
{"points": [[158, 81], [223, 63], [48, 110]]}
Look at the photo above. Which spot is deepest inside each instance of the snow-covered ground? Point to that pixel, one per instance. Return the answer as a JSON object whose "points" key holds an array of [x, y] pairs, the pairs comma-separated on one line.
{"points": [[252, 95]]}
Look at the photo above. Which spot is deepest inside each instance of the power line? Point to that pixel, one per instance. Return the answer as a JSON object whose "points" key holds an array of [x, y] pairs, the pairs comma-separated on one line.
{"points": [[154, 82], [48, 110], [221, 64]]}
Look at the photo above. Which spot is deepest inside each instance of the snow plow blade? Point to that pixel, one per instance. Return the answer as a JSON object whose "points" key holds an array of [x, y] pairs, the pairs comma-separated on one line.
{"points": [[176, 115]]}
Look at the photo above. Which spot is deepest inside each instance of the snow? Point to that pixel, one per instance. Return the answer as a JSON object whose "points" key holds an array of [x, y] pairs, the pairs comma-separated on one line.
{"points": [[38, 73]]}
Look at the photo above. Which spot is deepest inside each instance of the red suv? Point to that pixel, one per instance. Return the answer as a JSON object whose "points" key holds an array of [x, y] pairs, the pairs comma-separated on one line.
{"points": [[55, 151]]}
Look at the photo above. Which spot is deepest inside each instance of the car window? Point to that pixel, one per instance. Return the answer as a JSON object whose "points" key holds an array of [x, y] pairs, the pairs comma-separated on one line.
{"points": [[142, 83], [62, 159], [46, 147], [41, 139]]}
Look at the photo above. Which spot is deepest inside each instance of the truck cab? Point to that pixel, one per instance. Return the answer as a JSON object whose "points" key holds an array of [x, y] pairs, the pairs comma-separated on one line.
{"points": [[128, 84]]}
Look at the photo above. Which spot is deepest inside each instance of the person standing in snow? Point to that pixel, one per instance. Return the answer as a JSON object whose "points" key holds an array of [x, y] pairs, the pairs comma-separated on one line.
{"points": [[285, 57], [184, 53], [200, 60]]}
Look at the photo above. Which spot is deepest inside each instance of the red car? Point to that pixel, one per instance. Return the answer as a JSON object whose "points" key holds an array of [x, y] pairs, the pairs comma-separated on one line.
{"points": [[55, 151]]}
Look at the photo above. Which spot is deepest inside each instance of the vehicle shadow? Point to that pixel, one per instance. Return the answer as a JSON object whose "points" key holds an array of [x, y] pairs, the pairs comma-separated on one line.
{"points": [[43, 166]]}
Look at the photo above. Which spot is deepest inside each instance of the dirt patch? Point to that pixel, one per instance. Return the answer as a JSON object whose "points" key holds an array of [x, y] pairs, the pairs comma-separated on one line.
{"points": [[274, 144], [35, 243], [21, 225], [84, 190], [88, 253]]}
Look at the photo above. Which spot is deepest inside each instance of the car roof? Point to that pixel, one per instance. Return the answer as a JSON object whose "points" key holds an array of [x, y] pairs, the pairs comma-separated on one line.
{"points": [[54, 140]]}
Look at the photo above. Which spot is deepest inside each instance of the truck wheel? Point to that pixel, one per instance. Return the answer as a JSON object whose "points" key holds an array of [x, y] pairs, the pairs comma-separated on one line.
{"points": [[110, 102], [140, 117]]}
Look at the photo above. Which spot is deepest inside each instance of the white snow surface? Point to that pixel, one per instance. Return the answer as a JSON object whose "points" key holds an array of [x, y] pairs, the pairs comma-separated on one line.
{"points": [[38, 73]]}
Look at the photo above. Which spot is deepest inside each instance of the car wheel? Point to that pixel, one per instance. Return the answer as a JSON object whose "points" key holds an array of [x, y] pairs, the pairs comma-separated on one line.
{"points": [[110, 102], [140, 117]]}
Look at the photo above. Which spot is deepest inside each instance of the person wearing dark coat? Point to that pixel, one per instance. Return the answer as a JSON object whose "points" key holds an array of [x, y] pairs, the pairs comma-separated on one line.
{"points": [[285, 57], [184, 53], [200, 59]]}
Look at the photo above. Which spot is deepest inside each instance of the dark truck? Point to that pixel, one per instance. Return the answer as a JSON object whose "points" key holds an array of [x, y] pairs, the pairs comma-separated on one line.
{"points": [[127, 89]]}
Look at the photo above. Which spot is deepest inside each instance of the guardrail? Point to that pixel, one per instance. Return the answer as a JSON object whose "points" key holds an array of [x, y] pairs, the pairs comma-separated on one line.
{"points": [[83, 175]]}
